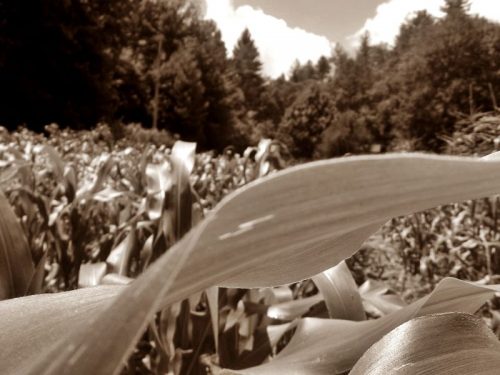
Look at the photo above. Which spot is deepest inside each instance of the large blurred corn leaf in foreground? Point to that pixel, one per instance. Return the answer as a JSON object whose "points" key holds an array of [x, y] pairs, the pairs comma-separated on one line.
{"points": [[278, 230]]}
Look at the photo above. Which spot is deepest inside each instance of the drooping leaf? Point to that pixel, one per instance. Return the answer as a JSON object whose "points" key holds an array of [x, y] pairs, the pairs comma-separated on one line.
{"points": [[260, 157], [55, 160], [463, 345], [16, 167], [376, 294], [91, 274], [119, 258], [276, 332], [291, 310], [185, 153], [340, 293], [105, 168], [16, 264], [323, 346], [281, 294], [107, 194], [106, 165], [115, 279]]}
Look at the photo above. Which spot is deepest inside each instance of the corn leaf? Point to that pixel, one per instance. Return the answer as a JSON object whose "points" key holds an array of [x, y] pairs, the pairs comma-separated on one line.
{"points": [[158, 181], [375, 295], [107, 194], [119, 258], [181, 198], [30, 324], [464, 345], [91, 274], [276, 332], [291, 310], [213, 305], [116, 279], [56, 163], [36, 282], [16, 265], [342, 342], [185, 153], [295, 223], [340, 293]]}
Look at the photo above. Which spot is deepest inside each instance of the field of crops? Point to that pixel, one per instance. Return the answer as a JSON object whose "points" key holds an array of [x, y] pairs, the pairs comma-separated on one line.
{"points": [[148, 252]]}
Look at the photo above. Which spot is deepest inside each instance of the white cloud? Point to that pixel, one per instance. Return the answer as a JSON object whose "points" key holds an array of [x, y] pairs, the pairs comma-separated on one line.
{"points": [[279, 45], [389, 16]]}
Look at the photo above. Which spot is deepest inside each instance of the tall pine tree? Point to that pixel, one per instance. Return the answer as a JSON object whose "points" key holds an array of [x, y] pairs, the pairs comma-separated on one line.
{"points": [[247, 65]]}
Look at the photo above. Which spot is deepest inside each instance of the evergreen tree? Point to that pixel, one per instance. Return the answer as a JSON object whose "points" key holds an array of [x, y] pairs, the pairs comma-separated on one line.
{"points": [[323, 67], [456, 8], [417, 28], [301, 73], [247, 64]]}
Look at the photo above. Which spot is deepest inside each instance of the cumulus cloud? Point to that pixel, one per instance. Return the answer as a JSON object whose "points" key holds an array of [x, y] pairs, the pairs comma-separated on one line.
{"points": [[279, 45], [384, 26]]}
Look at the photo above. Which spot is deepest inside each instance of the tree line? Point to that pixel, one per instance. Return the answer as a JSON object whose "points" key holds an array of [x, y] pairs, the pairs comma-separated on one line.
{"points": [[159, 63]]}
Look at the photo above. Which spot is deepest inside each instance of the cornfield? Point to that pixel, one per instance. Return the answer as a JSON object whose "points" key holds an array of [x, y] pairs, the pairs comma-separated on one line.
{"points": [[148, 259]]}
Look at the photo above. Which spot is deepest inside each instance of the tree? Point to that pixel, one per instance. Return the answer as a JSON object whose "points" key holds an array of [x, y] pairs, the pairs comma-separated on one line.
{"points": [[323, 67], [55, 64], [344, 83], [304, 121], [444, 64], [456, 8], [348, 134], [415, 29], [247, 65], [301, 73]]}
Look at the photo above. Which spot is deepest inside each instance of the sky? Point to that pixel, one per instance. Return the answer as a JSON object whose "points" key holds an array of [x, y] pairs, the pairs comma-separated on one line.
{"points": [[288, 30]]}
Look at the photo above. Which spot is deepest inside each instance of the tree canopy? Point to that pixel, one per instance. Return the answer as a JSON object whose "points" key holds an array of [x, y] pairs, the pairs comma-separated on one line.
{"points": [[159, 62]]}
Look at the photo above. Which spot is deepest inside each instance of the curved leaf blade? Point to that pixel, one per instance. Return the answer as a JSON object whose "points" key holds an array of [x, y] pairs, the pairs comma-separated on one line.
{"points": [[291, 310], [464, 345], [322, 346], [336, 205], [340, 293], [30, 324], [16, 264], [375, 294]]}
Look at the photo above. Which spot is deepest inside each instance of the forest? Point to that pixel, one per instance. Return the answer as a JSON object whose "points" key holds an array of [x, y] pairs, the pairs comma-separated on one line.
{"points": [[160, 64]]}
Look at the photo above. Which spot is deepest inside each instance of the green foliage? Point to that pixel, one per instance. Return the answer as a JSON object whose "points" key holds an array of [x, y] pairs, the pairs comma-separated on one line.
{"points": [[53, 65], [305, 120], [159, 62], [437, 81], [348, 134]]}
